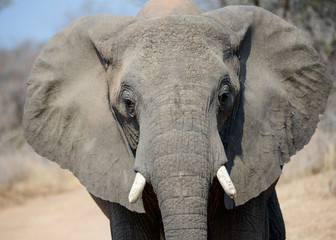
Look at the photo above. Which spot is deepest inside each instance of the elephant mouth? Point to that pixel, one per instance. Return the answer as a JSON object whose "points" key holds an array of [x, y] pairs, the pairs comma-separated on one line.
{"points": [[222, 176], [152, 207]]}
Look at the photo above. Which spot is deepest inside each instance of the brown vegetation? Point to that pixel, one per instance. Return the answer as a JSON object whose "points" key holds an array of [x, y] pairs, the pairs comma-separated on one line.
{"points": [[25, 175]]}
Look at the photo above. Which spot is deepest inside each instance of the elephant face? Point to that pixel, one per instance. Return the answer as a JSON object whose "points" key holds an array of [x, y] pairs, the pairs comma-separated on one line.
{"points": [[175, 98], [172, 80]]}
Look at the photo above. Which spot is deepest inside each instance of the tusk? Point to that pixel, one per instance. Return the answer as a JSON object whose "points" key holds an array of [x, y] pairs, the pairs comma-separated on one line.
{"points": [[137, 188], [226, 182]]}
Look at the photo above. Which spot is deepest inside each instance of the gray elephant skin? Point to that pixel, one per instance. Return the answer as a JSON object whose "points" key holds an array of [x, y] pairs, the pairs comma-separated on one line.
{"points": [[171, 96]]}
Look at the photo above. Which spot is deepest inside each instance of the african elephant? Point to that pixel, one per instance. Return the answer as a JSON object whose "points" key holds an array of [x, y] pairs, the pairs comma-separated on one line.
{"points": [[201, 109]]}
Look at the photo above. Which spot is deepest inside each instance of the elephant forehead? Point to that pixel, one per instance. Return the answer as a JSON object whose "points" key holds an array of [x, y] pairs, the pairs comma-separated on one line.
{"points": [[178, 67], [178, 47], [181, 34]]}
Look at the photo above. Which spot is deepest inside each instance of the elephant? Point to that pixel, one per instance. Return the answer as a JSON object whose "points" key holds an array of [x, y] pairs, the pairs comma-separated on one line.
{"points": [[177, 121]]}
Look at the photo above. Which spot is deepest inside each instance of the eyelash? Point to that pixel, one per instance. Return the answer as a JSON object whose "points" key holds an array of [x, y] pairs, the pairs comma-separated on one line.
{"points": [[128, 102], [224, 90], [223, 95], [130, 107]]}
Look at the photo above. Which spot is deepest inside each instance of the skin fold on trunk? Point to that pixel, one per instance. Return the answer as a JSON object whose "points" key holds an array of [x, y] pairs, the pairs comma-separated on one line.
{"points": [[182, 193], [181, 171]]}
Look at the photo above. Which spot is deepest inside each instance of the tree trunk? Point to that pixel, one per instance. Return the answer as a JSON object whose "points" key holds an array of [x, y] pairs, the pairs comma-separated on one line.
{"points": [[285, 4]]}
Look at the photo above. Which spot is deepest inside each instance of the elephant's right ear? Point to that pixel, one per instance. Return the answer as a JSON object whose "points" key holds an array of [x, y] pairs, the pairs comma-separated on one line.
{"points": [[67, 116], [284, 88]]}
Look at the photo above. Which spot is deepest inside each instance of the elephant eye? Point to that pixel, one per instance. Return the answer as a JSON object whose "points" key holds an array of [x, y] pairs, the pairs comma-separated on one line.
{"points": [[127, 97], [222, 98], [130, 107], [224, 94]]}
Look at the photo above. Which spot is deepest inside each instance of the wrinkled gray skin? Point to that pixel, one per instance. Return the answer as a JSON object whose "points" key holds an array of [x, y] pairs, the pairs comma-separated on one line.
{"points": [[174, 94]]}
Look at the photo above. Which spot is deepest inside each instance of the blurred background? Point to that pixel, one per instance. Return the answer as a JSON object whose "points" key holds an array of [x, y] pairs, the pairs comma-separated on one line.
{"points": [[25, 26]]}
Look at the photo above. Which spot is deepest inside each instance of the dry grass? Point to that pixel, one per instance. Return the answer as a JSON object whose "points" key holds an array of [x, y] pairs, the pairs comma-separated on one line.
{"points": [[25, 175], [318, 156]]}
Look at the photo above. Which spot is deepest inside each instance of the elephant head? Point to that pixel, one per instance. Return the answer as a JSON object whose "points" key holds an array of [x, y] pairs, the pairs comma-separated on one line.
{"points": [[170, 97]]}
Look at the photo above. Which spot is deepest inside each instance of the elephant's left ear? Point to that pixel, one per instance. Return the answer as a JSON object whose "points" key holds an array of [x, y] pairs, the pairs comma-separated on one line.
{"points": [[68, 117], [284, 88]]}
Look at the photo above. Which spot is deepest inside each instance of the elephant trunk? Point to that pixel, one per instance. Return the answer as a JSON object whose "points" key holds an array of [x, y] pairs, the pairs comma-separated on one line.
{"points": [[183, 203], [176, 153], [181, 179]]}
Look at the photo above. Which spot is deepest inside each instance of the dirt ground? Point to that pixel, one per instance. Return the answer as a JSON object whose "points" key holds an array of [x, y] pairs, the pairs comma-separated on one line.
{"points": [[70, 215], [308, 205]]}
